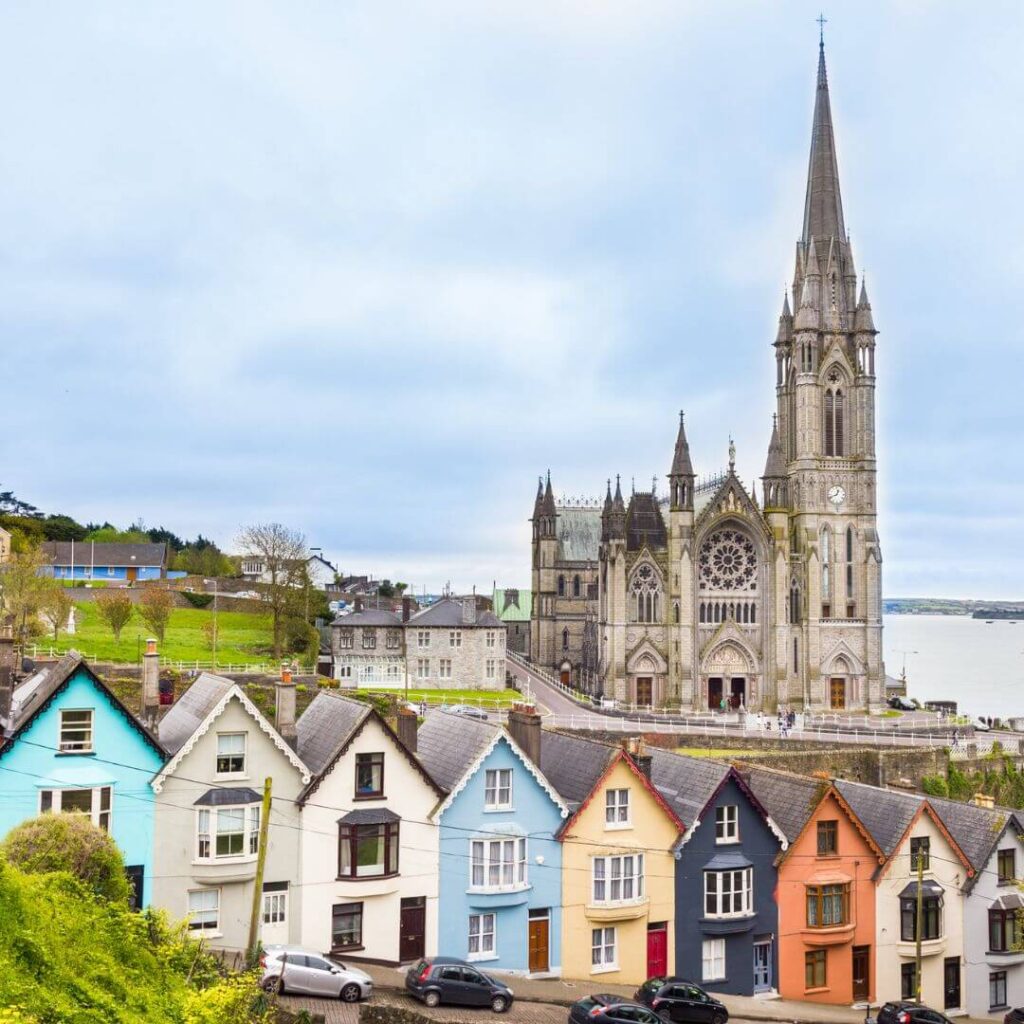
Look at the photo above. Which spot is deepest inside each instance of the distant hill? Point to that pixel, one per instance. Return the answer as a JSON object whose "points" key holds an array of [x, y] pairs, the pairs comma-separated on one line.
{"points": [[952, 606]]}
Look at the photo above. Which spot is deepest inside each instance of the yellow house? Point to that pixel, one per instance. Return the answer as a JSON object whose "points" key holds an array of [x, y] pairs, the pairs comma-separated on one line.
{"points": [[618, 878]]}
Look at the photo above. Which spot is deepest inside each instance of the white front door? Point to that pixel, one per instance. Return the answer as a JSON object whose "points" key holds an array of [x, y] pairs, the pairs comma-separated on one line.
{"points": [[274, 914]]}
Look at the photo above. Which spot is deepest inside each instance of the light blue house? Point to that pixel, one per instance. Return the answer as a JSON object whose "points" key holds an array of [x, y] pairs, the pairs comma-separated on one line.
{"points": [[501, 866], [69, 746], [100, 561]]}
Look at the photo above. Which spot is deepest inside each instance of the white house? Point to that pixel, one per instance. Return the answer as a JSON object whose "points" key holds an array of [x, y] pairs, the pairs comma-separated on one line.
{"points": [[369, 849]]}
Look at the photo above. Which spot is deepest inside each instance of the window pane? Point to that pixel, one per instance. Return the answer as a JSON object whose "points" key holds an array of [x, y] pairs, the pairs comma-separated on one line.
{"points": [[76, 801], [369, 850], [346, 925]]}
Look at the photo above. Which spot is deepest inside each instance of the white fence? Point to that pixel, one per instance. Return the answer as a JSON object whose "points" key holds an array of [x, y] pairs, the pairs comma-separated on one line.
{"points": [[36, 651]]}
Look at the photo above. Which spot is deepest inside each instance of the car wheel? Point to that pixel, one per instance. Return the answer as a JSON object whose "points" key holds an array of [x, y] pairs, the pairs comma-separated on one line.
{"points": [[350, 994], [665, 1013], [274, 985], [499, 1004], [432, 999], [719, 1018]]}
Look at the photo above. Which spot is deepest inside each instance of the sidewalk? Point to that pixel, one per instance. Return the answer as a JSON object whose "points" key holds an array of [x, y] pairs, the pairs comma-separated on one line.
{"points": [[565, 993]]}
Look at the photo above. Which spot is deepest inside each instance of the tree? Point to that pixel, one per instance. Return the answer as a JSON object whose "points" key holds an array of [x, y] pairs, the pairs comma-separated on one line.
{"points": [[69, 842], [155, 607], [283, 554], [56, 608], [59, 527], [115, 608], [9, 503], [202, 557], [22, 589]]}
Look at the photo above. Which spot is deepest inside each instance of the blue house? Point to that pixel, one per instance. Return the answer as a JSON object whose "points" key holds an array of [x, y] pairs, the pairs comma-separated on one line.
{"points": [[501, 866], [102, 561], [69, 746], [726, 917]]}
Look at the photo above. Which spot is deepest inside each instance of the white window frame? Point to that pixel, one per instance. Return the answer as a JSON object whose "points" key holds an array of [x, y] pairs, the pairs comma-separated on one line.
{"points": [[490, 638], [727, 824], [83, 746], [392, 641], [616, 809], [101, 817], [422, 668], [498, 789], [444, 668], [423, 638], [733, 888], [617, 879], [713, 959], [346, 639], [490, 668], [455, 638], [245, 756], [344, 671], [275, 907], [214, 927], [483, 929], [207, 822], [604, 946], [498, 864]]}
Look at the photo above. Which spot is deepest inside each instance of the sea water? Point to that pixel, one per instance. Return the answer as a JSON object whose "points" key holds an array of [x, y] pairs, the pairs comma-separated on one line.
{"points": [[955, 657]]}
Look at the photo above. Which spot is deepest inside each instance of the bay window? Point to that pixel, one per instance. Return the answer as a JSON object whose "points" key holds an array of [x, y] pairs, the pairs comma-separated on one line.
{"points": [[94, 803], [617, 879], [828, 905], [367, 850], [728, 893], [497, 863], [1003, 930], [931, 918], [225, 832]]}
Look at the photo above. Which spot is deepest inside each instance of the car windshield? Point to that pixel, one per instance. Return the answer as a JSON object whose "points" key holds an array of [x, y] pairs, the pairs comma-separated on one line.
{"points": [[653, 983], [587, 1003]]}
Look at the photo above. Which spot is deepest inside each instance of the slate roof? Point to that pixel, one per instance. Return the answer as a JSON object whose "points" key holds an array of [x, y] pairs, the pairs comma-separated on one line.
{"points": [[789, 799], [58, 552], [448, 613], [685, 783], [369, 617], [579, 534], [645, 526], [228, 796], [512, 604], [572, 764], [326, 726], [369, 816], [448, 744], [885, 813], [190, 710], [976, 829]]}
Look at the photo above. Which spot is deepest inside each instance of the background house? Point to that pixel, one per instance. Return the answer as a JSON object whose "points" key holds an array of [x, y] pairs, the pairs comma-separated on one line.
{"points": [[95, 560], [513, 606], [5, 545]]}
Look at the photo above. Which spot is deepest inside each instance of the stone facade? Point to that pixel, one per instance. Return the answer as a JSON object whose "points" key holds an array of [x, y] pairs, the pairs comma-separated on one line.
{"points": [[449, 645], [704, 597]]}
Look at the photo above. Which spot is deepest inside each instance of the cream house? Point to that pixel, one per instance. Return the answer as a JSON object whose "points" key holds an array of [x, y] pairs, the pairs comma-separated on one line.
{"points": [[208, 806], [369, 858], [5, 545]]}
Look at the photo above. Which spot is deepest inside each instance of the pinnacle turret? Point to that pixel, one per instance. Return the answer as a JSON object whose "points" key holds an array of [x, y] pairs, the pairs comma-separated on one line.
{"points": [[823, 205], [547, 506], [681, 464], [775, 465], [864, 322]]}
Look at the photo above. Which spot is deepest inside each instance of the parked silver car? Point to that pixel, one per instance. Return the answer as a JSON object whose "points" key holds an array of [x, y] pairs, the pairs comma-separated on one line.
{"points": [[295, 969]]}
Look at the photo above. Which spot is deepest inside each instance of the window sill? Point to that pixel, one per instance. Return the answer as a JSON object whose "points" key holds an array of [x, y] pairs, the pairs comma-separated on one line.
{"points": [[243, 777], [205, 862], [75, 753], [206, 933], [623, 826], [604, 969], [727, 842], [346, 949], [481, 958], [362, 797], [816, 991], [499, 809], [367, 878]]}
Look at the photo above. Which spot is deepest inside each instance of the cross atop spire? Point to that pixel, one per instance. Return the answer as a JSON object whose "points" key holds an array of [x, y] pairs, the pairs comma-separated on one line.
{"points": [[823, 206], [822, 22]]}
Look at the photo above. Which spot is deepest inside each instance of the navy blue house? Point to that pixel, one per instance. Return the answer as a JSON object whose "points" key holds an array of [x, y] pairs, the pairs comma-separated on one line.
{"points": [[726, 918]]}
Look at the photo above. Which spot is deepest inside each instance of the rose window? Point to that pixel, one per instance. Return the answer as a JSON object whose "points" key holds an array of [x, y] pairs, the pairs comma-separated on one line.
{"points": [[728, 561]]}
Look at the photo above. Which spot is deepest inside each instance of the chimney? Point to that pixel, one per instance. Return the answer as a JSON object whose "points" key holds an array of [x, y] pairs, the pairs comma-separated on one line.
{"points": [[359, 604], [983, 800], [524, 728], [406, 608], [469, 611], [284, 709], [405, 726], [638, 755], [6, 674], [150, 684]]}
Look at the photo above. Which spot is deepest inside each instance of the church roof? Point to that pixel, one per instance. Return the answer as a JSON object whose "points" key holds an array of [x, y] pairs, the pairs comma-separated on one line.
{"points": [[512, 604], [578, 530], [645, 526], [823, 206]]}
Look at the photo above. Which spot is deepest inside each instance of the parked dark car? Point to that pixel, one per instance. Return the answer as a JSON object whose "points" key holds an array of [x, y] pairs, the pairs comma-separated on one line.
{"points": [[609, 1009], [901, 704], [905, 1011], [677, 999], [443, 979], [1014, 1016]]}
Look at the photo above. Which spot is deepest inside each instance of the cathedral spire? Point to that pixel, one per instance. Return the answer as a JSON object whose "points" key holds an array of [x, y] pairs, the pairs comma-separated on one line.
{"points": [[681, 464], [823, 207], [548, 501]]}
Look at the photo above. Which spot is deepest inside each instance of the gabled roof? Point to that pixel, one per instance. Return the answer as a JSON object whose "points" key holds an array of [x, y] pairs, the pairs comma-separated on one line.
{"points": [[368, 617], [49, 682], [572, 764], [977, 830], [87, 552], [789, 799], [447, 613], [645, 527], [621, 757], [885, 813], [195, 714], [327, 728], [578, 530], [832, 793]]}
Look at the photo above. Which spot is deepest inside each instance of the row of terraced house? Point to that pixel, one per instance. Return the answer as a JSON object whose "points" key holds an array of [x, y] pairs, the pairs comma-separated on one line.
{"points": [[519, 848]]}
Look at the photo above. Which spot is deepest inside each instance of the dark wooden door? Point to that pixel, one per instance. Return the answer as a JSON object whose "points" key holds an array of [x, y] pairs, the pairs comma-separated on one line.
{"points": [[645, 691], [657, 950], [539, 943], [951, 977], [861, 976], [714, 694], [413, 928], [837, 693], [564, 677]]}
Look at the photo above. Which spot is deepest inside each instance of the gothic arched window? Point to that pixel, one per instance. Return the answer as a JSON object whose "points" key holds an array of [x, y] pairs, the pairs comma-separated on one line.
{"points": [[794, 603], [565, 639], [826, 573], [849, 573], [835, 417], [576, 586], [645, 593], [561, 586]]}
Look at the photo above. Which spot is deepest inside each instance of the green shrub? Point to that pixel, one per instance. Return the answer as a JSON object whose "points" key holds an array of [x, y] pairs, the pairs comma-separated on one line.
{"points": [[71, 843], [935, 785], [196, 599]]}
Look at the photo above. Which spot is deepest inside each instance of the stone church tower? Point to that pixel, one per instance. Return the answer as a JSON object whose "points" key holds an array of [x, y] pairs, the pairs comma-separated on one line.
{"points": [[702, 597]]}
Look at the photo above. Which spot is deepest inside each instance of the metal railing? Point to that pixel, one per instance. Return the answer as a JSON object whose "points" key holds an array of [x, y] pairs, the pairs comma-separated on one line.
{"points": [[37, 651]]}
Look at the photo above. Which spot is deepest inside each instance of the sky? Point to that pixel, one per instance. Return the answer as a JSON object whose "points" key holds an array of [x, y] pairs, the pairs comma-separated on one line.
{"points": [[368, 269]]}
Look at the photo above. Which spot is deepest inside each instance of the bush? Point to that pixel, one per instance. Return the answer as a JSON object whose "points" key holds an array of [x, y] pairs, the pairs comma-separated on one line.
{"points": [[935, 785], [197, 600], [69, 842]]}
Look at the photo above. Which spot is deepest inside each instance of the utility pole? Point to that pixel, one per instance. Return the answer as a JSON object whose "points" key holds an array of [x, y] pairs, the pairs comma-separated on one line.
{"points": [[261, 861], [921, 907]]}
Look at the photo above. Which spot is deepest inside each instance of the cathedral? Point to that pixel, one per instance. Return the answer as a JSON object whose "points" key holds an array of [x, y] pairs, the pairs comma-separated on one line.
{"points": [[704, 597]]}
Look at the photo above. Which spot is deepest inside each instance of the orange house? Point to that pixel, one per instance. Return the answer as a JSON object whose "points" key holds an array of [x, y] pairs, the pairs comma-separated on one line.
{"points": [[826, 897]]}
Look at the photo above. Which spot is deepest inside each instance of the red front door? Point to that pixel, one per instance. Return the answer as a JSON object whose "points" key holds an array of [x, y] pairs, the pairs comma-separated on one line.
{"points": [[657, 950]]}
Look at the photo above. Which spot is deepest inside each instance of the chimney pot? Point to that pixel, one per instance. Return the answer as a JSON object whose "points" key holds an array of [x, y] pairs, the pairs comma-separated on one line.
{"points": [[284, 707], [406, 608], [6, 673], [150, 683], [524, 726], [406, 727]]}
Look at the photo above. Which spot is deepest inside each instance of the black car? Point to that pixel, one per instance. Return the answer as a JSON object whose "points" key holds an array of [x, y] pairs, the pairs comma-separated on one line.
{"points": [[1014, 1016], [608, 1009], [677, 999], [901, 704], [443, 979], [906, 1011]]}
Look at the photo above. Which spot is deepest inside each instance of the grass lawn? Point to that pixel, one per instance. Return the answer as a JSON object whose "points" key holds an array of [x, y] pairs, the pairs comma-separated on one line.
{"points": [[244, 638], [456, 696]]}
